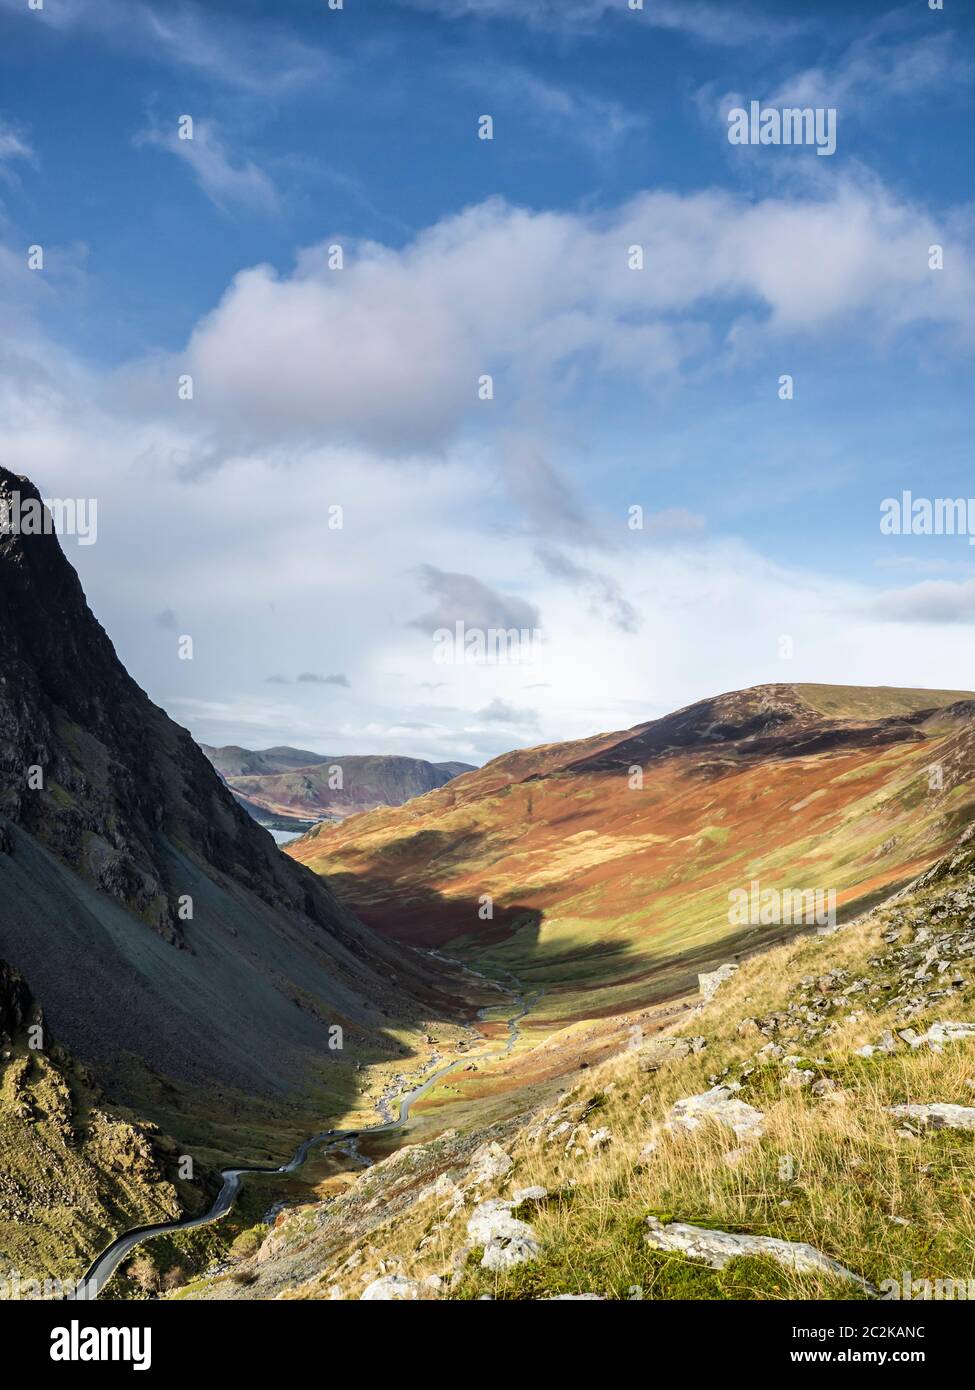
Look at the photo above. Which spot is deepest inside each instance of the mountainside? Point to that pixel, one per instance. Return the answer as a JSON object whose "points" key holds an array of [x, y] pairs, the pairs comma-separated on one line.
{"points": [[806, 1131], [278, 784], [609, 871], [73, 1168], [173, 946]]}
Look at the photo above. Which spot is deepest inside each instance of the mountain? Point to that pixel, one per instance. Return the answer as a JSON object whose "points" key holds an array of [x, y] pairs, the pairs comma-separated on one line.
{"points": [[804, 1132], [609, 871], [280, 784], [177, 953], [233, 761]]}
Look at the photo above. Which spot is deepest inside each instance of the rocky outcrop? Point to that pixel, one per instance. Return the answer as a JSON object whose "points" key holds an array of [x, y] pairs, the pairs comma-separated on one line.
{"points": [[717, 1248], [938, 1115], [709, 984], [17, 1007], [939, 1034], [507, 1241], [720, 1106], [391, 1287], [658, 1052]]}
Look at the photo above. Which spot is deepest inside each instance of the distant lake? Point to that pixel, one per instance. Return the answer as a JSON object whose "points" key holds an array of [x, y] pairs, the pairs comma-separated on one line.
{"points": [[281, 837]]}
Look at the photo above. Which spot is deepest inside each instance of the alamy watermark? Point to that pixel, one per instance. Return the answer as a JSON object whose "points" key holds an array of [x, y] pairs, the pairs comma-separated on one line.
{"points": [[786, 125], [69, 516], [14, 1288], [908, 515], [927, 1290], [492, 646], [756, 906]]}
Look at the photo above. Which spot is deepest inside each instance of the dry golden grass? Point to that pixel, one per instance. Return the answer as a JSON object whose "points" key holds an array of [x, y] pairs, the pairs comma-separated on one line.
{"points": [[835, 1171]]}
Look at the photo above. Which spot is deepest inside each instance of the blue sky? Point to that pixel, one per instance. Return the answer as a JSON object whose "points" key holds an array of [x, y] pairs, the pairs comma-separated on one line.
{"points": [[358, 127]]}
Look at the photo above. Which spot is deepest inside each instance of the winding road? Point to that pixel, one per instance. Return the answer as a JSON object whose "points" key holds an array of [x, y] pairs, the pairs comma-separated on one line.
{"points": [[102, 1269]]}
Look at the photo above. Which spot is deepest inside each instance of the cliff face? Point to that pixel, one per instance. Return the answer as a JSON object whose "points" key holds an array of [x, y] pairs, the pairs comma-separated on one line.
{"points": [[17, 1006], [98, 773], [150, 912]]}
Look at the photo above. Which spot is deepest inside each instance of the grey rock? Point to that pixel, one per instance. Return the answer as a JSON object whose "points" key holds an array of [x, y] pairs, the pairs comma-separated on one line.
{"points": [[390, 1286], [716, 1248], [939, 1115], [720, 1105]]}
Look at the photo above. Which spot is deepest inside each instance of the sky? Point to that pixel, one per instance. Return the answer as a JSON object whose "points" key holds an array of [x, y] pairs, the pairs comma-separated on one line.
{"points": [[262, 351]]}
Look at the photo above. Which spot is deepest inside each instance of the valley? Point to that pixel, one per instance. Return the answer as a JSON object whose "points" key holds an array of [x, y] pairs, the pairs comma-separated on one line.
{"points": [[742, 896]]}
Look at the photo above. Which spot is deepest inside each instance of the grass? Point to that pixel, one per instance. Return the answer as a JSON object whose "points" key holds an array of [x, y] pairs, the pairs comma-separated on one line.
{"points": [[835, 1170]]}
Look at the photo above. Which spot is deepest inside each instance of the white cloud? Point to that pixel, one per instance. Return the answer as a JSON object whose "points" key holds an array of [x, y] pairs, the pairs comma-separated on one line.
{"points": [[254, 57], [222, 180], [882, 66], [259, 581], [595, 122], [247, 564], [389, 350], [13, 146], [501, 712], [934, 601], [711, 23]]}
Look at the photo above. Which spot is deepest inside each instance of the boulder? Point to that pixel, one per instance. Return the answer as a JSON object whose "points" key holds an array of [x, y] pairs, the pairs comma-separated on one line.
{"points": [[659, 1051], [710, 983], [940, 1033], [506, 1240], [939, 1115], [489, 1163], [720, 1105], [716, 1248], [390, 1286]]}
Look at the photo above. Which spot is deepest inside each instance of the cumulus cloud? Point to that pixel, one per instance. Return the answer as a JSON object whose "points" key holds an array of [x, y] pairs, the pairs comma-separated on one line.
{"points": [[389, 350], [934, 601], [461, 598]]}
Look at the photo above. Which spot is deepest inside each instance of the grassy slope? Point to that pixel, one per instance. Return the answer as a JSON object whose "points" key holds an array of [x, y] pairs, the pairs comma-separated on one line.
{"points": [[875, 702], [609, 897], [833, 1169], [73, 1169]]}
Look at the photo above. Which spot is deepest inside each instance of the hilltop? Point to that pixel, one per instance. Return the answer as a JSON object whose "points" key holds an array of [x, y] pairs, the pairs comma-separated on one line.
{"points": [[608, 863]]}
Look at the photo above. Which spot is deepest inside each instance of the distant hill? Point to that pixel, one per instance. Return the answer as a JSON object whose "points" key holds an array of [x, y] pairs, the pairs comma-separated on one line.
{"points": [[609, 861], [232, 761], [282, 785]]}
